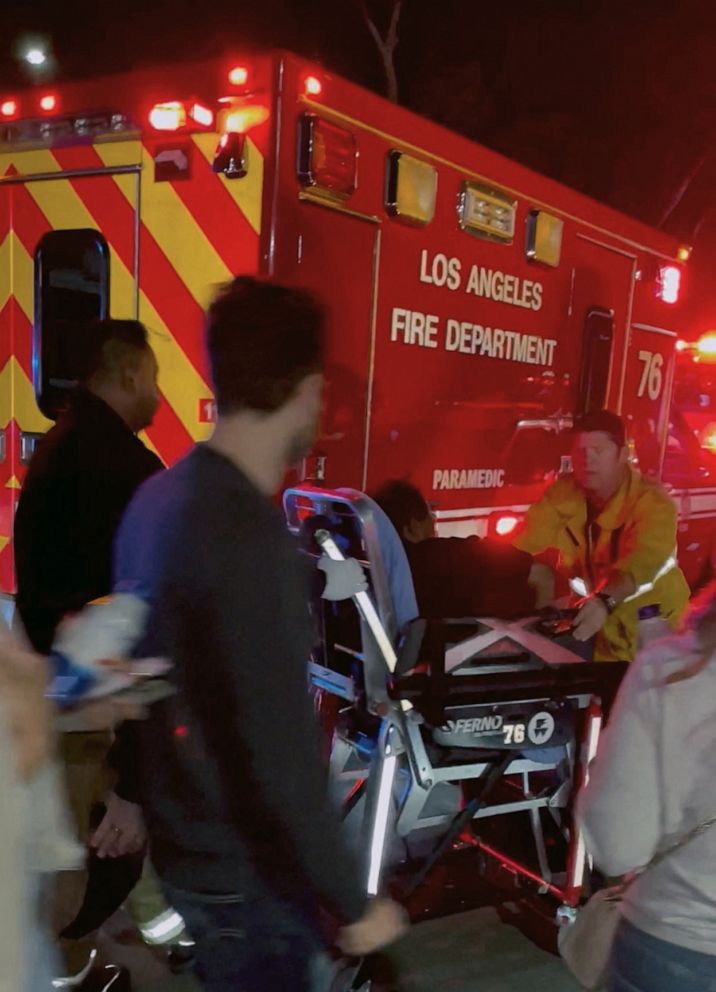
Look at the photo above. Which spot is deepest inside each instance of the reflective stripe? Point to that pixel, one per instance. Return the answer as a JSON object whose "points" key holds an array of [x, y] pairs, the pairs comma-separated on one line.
{"points": [[380, 826], [162, 929], [648, 586], [74, 981], [581, 586]]}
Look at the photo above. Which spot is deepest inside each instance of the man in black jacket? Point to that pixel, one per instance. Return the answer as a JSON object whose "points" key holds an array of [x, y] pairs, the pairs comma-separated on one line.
{"points": [[81, 479], [241, 830], [79, 482]]}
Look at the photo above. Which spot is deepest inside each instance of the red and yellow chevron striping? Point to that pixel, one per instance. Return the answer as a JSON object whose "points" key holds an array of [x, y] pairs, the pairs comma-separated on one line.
{"points": [[171, 243]]}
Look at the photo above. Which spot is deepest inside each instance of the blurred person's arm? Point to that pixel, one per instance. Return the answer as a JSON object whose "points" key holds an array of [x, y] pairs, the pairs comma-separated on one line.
{"points": [[619, 810], [23, 681], [122, 829], [47, 585]]}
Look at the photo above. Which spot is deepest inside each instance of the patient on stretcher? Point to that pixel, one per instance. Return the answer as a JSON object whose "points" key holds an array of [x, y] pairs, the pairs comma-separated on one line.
{"points": [[462, 576]]}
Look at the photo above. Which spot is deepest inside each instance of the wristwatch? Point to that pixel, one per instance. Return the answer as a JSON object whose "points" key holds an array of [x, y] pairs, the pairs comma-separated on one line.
{"points": [[609, 601]]}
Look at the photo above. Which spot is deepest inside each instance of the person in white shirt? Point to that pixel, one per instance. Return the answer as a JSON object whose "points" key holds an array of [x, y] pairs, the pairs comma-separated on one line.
{"points": [[652, 782], [36, 835]]}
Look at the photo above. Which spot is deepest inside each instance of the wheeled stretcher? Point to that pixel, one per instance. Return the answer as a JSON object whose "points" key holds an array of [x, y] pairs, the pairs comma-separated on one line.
{"points": [[509, 712]]}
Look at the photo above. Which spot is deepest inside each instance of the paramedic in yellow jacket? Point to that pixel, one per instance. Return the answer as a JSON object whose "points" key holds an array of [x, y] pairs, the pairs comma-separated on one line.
{"points": [[614, 530]]}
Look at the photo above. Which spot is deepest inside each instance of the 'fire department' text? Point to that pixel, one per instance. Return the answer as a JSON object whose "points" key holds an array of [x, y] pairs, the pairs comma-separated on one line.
{"points": [[423, 330]]}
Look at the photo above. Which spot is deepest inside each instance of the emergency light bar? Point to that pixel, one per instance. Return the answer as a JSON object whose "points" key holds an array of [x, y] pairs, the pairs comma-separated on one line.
{"points": [[9, 108], [313, 86], [708, 438], [46, 131], [175, 115], [48, 103], [239, 75], [201, 114], [238, 117], [706, 347], [167, 116]]}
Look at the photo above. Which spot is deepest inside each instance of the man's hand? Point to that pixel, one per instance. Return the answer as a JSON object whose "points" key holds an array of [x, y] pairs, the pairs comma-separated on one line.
{"points": [[343, 578], [590, 619], [122, 830], [383, 922]]}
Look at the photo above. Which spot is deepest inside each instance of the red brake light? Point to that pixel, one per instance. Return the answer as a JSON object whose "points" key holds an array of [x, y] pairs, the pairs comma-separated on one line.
{"points": [[328, 157], [9, 108], [669, 283], [313, 85], [706, 345], [505, 524], [48, 103], [167, 116], [708, 438], [239, 75]]}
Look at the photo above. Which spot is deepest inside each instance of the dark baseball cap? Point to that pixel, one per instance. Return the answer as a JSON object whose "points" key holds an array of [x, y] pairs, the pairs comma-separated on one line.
{"points": [[602, 420]]}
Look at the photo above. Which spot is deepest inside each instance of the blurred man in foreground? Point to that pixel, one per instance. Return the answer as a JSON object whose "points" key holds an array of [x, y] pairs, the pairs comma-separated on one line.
{"points": [[241, 831]]}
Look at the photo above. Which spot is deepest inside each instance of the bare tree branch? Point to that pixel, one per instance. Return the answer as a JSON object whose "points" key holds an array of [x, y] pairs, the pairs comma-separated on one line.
{"points": [[683, 188], [386, 45]]}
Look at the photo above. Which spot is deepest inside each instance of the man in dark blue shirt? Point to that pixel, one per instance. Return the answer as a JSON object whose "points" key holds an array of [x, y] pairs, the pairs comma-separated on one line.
{"points": [[241, 831]]}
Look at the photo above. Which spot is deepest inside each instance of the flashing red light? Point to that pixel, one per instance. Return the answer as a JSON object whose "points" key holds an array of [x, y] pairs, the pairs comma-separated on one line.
{"points": [[48, 103], [202, 115], [239, 120], [708, 438], [167, 116], [239, 75], [669, 283], [313, 85], [181, 730], [505, 524], [9, 108], [706, 346], [328, 156]]}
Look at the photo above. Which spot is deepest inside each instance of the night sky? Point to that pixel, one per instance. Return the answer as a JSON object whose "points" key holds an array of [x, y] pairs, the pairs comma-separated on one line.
{"points": [[617, 99]]}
